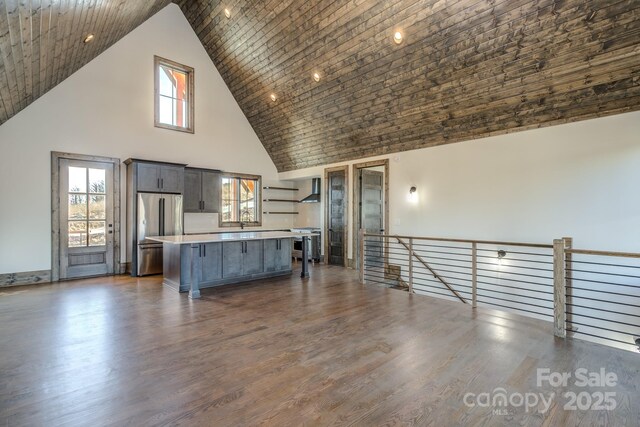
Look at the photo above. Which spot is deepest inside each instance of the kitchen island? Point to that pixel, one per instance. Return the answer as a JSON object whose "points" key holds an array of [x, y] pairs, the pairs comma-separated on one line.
{"points": [[198, 261]]}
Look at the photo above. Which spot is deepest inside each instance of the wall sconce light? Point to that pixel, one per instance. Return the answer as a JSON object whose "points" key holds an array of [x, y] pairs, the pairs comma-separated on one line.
{"points": [[413, 194], [501, 255]]}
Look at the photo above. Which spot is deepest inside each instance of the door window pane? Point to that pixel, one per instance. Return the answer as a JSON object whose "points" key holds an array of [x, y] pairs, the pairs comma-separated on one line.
{"points": [[77, 234], [97, 233], [77, 180], [97, 181], [97, 207], [77, 206]]}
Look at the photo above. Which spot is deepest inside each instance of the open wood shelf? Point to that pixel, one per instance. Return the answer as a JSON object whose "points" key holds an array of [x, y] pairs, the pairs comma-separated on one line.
{"points": [[280, 188], [280, 200], [279, 213]]}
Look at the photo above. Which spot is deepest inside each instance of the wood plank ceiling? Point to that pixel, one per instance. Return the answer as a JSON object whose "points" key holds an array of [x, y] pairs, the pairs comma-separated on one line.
{"points": [[42, 41], [465, 69]]}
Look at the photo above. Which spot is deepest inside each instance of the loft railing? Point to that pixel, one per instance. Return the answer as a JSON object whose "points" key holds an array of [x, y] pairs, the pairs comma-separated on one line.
{"points": [[602, 296], [546, 281]]}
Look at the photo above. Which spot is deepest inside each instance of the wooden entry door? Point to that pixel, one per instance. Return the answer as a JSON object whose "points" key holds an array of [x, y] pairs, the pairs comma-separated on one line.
{"points": [[336, 216], [86, 218]]}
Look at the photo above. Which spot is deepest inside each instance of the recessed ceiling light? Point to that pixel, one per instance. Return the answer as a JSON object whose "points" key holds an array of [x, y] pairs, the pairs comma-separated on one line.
{"points": [[89, 38], [316, 76], [273, 97], [227, 13], [397, 37]]}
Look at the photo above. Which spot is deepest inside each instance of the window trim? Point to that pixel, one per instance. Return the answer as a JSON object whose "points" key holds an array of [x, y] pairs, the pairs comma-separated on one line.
{"points": [[258, 197], [157, 61]]}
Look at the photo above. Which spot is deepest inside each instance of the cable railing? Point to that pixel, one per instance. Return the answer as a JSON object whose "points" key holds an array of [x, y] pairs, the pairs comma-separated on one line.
{"points": [[582, 293], [602, 297]]}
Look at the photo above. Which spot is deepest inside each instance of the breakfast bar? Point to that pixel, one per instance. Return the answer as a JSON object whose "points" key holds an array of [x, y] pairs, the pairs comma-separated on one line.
{"points": [[193, 262]]}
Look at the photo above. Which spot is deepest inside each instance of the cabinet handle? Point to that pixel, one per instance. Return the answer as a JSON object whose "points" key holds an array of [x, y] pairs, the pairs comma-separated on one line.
{"points": [[204, 250], [158, 182], [162, 183], [200, 251], [203, 205]]}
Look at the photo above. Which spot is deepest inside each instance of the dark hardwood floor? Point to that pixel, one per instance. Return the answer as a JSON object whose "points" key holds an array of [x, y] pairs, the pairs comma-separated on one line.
{"points": [[328, 351]]}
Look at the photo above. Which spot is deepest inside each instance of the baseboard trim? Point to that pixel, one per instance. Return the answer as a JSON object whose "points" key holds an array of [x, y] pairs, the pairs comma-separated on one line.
{"points": [[124, 267], [25, 278]]}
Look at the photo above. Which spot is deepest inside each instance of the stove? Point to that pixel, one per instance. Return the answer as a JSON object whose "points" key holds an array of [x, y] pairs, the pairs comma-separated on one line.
{"points": [[314, 243]]}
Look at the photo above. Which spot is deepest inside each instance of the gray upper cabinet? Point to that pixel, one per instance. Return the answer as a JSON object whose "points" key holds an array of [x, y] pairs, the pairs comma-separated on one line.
{"points": [[171, 179], [160, 178], [192, 201], [210, 192], [202, 191], [277, 255]]}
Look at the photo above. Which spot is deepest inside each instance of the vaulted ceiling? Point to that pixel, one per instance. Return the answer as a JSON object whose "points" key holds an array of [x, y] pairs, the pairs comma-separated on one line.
{"points": [[464, 69], [42, 41]]}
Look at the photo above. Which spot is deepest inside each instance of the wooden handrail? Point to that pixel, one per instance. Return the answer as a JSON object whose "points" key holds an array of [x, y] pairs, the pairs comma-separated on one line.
{"points": [[436, 275], [603, 253], [480, 242]]}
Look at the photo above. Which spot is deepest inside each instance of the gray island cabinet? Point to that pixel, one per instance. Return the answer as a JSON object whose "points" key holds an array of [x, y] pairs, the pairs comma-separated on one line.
{"points": [[218, 259]]}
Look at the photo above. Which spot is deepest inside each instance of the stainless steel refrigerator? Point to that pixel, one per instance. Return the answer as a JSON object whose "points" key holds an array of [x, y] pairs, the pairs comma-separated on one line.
{"points": [[158, 215]]}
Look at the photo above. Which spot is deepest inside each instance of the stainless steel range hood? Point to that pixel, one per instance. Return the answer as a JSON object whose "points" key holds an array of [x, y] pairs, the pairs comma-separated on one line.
{"points": [[314, 197]]}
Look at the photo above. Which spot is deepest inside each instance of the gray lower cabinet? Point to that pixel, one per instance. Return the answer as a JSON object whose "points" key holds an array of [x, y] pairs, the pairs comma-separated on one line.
{"points": [[226, 262], [252, 259], [211, 262], [242, 258], [232, 254], [277, 255]]}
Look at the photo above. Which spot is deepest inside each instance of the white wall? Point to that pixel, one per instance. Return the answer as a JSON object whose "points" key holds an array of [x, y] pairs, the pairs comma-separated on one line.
{"points": [[580, 180], [106, 109]]}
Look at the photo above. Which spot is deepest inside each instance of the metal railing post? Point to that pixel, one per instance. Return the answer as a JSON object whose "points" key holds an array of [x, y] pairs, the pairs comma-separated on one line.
{"points": [[361, 241], [411, 265], [559, 289], [474, 275]]}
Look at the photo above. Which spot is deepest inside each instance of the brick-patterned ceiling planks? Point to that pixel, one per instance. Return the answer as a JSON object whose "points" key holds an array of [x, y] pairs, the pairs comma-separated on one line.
{"points": [[41, 41], [465, 69]]}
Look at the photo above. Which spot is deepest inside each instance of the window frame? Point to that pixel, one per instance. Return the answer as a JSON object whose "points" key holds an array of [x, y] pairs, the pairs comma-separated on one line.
{"points": [[190, 97], [258, 198]]}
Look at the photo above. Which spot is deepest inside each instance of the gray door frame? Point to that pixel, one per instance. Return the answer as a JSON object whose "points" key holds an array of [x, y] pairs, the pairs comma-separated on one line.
{"points": [[327, 207], [356, 204], [56, 156]]}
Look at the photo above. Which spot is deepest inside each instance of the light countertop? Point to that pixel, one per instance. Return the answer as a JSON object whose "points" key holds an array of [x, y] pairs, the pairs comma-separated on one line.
{"points": [[228, 237]]}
